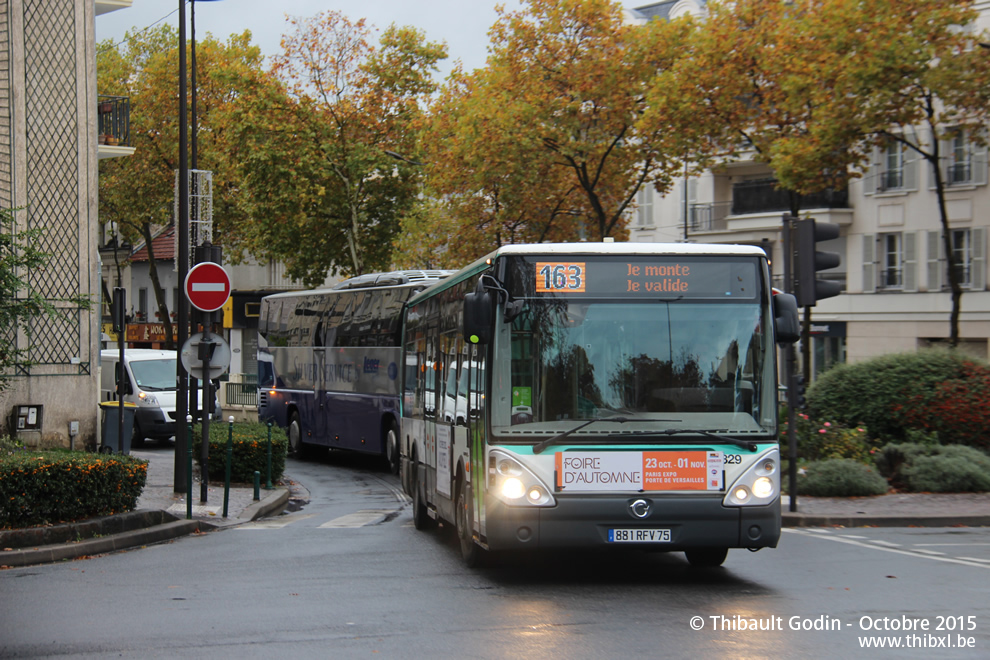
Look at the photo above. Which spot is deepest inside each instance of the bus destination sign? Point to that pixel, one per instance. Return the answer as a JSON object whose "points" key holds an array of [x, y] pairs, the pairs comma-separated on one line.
{"points": [[684, 277]]}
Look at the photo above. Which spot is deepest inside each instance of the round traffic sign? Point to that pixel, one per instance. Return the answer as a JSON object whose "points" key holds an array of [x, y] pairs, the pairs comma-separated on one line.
{"points": [[207, 286], [219, 360]]}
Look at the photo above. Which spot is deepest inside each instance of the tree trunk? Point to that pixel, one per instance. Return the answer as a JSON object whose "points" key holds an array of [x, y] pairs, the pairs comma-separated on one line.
{"points": [[156, 285]]}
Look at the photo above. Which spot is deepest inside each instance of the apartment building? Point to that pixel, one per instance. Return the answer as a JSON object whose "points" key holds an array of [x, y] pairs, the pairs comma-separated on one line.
{"points": [[51, 115], [894, 268]]}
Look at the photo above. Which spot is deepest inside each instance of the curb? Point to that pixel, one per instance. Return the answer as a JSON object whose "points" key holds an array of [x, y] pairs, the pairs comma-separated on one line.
{"points": [[46, 545], [893, 520]]}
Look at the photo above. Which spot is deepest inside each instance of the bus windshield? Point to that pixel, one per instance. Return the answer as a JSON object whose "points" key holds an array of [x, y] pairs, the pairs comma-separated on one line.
{"points": [[685, 364]]}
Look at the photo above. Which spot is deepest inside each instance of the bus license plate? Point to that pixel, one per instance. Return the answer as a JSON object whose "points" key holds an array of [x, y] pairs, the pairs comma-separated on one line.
{"points": [[639, 536]]}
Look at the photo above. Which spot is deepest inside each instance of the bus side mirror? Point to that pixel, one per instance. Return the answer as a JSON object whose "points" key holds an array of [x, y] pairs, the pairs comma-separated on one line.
{"points": [[786, 322], [478, 317]]}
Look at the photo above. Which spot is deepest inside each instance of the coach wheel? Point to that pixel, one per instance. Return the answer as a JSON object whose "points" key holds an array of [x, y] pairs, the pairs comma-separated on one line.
{"points": [[295, 435], [392, 449], [706, 557]]}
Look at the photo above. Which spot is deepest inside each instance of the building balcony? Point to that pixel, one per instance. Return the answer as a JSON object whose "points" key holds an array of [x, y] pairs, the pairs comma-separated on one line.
{"points": [[758, 205], [113, 126]]}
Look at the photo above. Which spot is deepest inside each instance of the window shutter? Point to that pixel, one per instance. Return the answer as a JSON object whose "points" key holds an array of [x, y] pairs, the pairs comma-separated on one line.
{"points": [[978, 261], [869, 263], [872, 174], [910, 169], [979, 160], [910, 261], [935, 260]]}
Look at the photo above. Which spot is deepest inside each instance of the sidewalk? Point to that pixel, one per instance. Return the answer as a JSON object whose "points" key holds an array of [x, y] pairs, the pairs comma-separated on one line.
{"points": [[894, 510], [160, 516]]}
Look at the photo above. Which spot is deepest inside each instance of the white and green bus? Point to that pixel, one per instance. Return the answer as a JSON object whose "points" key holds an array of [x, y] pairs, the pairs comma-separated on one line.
{"points": [[593, 395]]}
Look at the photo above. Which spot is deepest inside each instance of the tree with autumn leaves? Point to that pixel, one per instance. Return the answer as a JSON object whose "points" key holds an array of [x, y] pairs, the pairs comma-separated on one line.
{"points": [[324, 145], [546, 142], [813, 87], [137, 192]]}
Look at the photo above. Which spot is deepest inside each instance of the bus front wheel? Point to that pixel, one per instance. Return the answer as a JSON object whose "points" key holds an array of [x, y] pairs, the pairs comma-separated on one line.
{"points": [[471, 552], [421, 519], [706, 557], [391, 439]]}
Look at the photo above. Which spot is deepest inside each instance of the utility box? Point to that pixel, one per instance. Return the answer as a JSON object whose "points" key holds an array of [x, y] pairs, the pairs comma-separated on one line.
{"points": [[110, 442], [25, 424]]}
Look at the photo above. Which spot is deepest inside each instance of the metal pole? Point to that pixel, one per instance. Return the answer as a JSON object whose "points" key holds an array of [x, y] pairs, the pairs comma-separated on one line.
{"points": [[182, 440], [204, 452], [230, 459], [268, 481], [790, 366], [189, 470]]}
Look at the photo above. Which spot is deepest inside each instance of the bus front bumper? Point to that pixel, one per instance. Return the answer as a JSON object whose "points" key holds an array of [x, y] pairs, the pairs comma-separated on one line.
{"points": [[586, 521]]}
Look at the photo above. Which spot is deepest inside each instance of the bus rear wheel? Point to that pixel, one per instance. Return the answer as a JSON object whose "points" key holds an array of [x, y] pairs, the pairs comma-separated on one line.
{"points": [[706, 557]]}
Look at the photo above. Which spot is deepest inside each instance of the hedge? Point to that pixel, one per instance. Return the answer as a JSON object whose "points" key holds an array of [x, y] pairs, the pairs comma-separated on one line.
{"points": [[840, 477], [250, 450], [935, 468], [873, 393], [42, 488]]}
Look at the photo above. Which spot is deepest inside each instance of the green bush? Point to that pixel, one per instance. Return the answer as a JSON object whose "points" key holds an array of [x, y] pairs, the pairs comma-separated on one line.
{"points": [[935, 468], [872, 392], [42, 488], [249, 450], [958, 410], [892, 458], [840, 477], [949, 473], [821, 440]]}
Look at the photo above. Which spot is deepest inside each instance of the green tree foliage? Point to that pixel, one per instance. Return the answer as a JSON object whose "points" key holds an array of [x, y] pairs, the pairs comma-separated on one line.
{"points": [[311, 143], [872, 392]]}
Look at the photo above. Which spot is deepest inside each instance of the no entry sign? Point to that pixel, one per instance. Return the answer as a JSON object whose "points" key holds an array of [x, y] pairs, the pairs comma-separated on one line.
{"points": [[207, 286]]}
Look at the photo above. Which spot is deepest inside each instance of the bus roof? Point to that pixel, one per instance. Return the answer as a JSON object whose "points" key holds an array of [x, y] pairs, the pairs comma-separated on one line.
{"points": [[373, 280], [625, 248]]}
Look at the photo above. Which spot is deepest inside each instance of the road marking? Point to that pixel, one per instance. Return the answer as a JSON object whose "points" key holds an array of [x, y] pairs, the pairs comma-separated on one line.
{"points": [[965, 561], [276, 523], [885, 543], [976, 559], [931, 552], [358, 519]]}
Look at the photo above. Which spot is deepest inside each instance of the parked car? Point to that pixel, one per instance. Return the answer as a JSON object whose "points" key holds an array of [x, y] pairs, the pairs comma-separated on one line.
{"points": [[150, 383]]}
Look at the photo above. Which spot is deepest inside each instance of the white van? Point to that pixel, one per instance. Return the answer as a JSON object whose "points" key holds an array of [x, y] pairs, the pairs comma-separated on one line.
{"points": [[150, 385]]}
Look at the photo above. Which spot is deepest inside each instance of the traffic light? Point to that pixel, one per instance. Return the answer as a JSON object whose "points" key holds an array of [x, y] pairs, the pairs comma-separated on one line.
{"points": [[808, 261], [797, 399]]}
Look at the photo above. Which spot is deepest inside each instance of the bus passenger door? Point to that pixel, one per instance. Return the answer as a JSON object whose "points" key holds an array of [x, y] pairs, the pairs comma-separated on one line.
{"points": [[473, 379]]}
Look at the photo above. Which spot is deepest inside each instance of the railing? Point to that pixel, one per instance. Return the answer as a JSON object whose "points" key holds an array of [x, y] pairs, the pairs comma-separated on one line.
{"points": [[709, 217], [113, 125], [242, 394], [763, 196]]}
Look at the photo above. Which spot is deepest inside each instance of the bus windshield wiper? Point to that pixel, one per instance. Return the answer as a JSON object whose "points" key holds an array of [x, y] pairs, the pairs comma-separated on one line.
{"points": [[540, 446], [739, 442]]}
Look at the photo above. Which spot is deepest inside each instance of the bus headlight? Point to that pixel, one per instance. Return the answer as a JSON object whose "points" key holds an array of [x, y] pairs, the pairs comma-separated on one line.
{"points": [[759, 484], [515, 485], [512, 488]]}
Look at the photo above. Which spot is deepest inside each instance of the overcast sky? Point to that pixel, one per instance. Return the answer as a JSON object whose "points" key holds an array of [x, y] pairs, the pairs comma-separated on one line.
{"points": [[462, 24]]}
